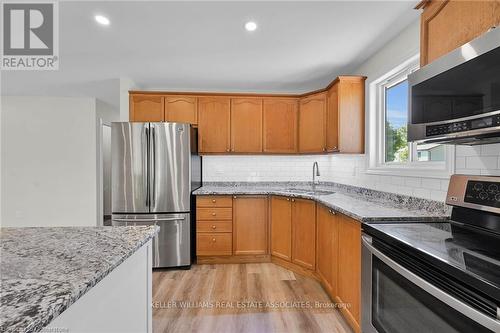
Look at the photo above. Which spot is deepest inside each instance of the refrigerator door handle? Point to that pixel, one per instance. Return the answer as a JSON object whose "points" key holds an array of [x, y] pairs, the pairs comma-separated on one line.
{"points": [[153, 183], [145, 160], [150, 220]]}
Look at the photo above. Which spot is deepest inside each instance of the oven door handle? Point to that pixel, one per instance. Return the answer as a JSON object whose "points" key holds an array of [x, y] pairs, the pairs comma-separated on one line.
{"points": [[454, 303]]}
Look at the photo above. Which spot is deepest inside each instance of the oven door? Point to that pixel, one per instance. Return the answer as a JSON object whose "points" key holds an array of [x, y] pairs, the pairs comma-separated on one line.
{"points": [[394, 299]]}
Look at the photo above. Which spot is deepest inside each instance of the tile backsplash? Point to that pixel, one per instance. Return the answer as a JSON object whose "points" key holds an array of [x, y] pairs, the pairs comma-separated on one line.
{"points": [[348, 169]]}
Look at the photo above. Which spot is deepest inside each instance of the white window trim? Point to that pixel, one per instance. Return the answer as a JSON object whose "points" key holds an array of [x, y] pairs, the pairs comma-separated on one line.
{"points": [[376, 134]]}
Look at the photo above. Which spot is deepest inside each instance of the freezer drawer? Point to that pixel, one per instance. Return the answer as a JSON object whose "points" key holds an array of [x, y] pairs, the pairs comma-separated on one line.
{"points": [[172, 245]]}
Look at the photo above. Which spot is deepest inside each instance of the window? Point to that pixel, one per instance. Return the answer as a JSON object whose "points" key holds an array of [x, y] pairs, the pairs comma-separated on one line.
{"points": [[390, 151]]}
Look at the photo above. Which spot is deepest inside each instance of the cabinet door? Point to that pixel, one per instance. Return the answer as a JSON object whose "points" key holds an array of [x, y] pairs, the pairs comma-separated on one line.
{"points": [[352, 115], [181, 109], [312, 124], [146, 108], [280, 125], [349, 268], [213, 124], [250, 226], [326, 239], [304, 233], [246, 125], [281, 228], [446, 25], [332, 119]]}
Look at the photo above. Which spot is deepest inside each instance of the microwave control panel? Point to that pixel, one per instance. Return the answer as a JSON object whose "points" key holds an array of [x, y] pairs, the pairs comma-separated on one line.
{"points": [[461, 126], [483, 193]]}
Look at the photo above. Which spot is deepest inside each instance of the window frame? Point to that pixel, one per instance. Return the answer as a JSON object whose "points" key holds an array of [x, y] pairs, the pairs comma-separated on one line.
{"points": [[377, 144]]}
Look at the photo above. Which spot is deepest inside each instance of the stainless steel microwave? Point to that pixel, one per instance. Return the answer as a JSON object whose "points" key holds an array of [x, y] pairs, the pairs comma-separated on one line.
{"points": [[456, 98]]}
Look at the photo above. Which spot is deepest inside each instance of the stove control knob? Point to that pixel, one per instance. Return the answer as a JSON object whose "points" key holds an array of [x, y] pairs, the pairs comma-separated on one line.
{"points": [[478, 186], [483, 195], [497, 197]]}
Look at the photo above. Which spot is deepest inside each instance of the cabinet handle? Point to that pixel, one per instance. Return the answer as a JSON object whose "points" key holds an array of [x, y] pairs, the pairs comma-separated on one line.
{"points": [[213, 214], [213, 240], [334, 147], [293, 200], [227, 149], [330, 211], [287, 199], [214, 227], [213, 200], [333, 212], [234, 197]]}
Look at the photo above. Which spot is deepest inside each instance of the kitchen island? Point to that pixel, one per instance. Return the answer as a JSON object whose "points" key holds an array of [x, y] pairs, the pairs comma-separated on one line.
{"points": [[76, 279]]}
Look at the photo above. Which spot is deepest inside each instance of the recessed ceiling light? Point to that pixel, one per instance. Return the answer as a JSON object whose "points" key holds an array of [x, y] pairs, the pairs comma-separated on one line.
{"points": [[102, 19], [251, 26]]}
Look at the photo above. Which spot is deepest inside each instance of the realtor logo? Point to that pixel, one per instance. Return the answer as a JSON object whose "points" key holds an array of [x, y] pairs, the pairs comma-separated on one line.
{"points": [[30, 36]]}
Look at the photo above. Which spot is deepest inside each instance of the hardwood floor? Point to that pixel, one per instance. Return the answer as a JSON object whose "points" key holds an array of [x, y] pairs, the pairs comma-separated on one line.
{"points": [[261, 297]]}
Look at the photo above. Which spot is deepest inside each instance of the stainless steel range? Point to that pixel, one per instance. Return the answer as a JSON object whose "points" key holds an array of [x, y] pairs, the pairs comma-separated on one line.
{"points": [[155, 168], [441, 276]]}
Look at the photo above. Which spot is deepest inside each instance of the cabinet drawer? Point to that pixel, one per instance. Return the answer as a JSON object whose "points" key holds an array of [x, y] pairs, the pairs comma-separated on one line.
{"points": [[213, 244], [214, 201], [214, 214], [214, 226]]}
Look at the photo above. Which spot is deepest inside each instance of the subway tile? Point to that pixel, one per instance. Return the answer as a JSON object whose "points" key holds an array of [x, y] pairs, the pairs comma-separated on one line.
{"points": [[483, 162], [438, 195], [460, 162], [413, 181], [468, 150], [431, 183], [490, 150]]}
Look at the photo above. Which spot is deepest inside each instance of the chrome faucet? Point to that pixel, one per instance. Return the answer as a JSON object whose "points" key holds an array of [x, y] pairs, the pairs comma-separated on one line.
{"points": [[315, 174]]}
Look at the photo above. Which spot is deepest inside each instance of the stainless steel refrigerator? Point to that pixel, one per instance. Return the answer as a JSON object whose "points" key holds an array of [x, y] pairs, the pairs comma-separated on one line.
{"points": [[155, 168]]}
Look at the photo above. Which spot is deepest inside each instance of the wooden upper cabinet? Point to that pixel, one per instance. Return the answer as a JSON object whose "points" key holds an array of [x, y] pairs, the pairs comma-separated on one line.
{"points": [[250, 228], [280, 125], [351, 114], [214, 124], [349, 268], [327, 248], [246, 125], [446, 25], [332, 118], [145, 108], [304, 233], [312, 124], [281, 228], [181, 109]]}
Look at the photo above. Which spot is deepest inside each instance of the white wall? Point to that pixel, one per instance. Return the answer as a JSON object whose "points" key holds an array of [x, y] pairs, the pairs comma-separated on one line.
{"points": [[49, 159], [351, 169]]}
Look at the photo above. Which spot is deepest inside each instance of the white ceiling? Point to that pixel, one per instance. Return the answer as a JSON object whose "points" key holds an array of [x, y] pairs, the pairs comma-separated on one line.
{"points": [[202, 46]]}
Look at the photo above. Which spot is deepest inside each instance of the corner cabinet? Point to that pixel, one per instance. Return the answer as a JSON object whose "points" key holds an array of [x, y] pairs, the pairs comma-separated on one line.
{"points": [[293, 231], [327, 248], [214, 124], [446, 25], [312, 124]]}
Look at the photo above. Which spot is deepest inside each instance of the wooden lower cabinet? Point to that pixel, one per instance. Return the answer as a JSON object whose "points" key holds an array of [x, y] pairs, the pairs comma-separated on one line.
{"points": [[327, 248], [304, 233], [281, 228], [250, 227], [213, 244], [349, 269]]}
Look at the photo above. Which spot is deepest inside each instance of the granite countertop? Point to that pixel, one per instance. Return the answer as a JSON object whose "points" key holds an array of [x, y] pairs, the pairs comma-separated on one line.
{"points": [[46, 269], [362, 204]]}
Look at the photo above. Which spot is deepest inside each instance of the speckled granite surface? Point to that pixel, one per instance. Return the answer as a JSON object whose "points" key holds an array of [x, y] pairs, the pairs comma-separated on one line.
{"points": [[362, 204], [45, 270]]}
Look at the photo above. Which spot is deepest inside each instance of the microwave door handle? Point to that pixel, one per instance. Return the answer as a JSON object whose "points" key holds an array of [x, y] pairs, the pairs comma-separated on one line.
{"points": [[454, 303]]}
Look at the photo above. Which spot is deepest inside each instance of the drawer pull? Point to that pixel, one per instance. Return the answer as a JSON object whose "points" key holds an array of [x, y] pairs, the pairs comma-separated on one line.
{"points": [[213, 240], [293, 200], [333, 212], [213, 214], [214, 227], [287, 199], [213, 200]]}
